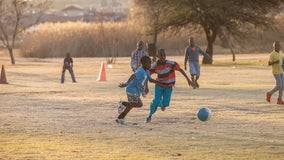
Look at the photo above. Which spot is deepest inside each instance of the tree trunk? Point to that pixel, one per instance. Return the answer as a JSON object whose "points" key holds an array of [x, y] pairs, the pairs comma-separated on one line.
{"points": [[210, 36], [11, 55], [155, 44], [233, 53], [209, 50]]}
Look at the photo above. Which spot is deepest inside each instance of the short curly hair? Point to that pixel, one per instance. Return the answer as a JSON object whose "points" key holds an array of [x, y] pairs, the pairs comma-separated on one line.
{"points": [[144, 59]]}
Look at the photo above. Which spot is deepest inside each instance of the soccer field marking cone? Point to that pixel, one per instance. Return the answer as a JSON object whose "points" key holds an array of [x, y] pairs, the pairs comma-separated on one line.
{"points": [[102, 75], [3, 79]]}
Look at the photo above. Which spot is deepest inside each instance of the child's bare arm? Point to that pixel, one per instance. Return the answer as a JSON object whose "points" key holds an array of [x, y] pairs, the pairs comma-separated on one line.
{"points": [[128, 81], [273, 62], [188, 80], [153, 81]]}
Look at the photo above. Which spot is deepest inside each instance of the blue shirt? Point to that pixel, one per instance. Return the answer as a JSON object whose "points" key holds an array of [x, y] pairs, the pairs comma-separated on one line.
{"points": [[137, 85]]}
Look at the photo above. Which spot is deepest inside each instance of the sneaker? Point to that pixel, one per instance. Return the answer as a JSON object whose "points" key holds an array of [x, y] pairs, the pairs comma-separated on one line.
{"points": [[120, 121], [279, 101], [268, 97], [120, 107], [148, 120]]}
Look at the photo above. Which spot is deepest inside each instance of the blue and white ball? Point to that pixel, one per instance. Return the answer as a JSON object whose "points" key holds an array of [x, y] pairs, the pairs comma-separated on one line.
{"points": [[204, 114]]}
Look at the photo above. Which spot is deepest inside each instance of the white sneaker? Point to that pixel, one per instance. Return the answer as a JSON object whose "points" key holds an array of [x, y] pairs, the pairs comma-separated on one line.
{"points": [[120, 107], [121, 121]]}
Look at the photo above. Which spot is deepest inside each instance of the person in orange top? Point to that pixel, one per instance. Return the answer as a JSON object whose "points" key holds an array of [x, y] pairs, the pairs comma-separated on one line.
{"points": [[275, 61]]}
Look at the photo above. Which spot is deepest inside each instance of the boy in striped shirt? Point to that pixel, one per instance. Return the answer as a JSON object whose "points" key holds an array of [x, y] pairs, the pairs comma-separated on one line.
{"points": [[165, 70]]}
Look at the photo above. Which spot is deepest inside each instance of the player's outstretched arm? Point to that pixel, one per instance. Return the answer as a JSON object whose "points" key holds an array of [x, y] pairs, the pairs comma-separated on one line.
{"points": [[121, 85], [185, 58], [206, 55], [186, 77], [153, 81]]}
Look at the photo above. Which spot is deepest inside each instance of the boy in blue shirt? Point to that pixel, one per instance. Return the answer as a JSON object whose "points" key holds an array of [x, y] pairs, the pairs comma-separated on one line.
{"points": [[136, 84]]}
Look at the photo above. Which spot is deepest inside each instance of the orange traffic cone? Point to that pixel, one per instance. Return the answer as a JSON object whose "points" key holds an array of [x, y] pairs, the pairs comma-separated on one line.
{"points": [[102, 75], [3, 79]]}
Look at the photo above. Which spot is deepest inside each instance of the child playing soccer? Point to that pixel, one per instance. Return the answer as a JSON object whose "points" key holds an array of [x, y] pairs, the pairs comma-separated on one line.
{"points": [[165, 70], [192, 56], [136, 84]]}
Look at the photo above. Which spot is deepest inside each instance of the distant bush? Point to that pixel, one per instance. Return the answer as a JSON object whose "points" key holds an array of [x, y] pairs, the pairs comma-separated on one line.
{"points": [[113, 39], [80, 39], [108, 39]]}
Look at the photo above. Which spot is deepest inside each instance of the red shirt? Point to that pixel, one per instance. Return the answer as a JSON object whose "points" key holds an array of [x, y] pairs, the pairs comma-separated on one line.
{"points": [[165, 72]]}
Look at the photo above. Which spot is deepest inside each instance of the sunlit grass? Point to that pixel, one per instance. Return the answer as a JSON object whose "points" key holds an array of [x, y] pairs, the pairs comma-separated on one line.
{"points": [[44, 119], [249, 63]]}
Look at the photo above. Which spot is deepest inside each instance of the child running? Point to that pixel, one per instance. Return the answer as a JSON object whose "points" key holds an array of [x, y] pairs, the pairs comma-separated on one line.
{"points": [[136, 84], [275, 60], [165, 70]]}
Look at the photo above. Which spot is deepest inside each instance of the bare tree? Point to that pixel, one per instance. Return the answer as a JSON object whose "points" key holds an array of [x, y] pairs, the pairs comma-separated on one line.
{"points": [[152, 12], [15, 17]]}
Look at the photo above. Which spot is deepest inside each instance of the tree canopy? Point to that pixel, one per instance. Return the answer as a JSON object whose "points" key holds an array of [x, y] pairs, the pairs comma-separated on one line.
{"points": [[235, 18]]}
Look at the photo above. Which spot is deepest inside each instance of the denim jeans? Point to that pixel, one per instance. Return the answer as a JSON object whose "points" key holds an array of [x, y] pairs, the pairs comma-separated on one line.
{"points": [[71, 73]]}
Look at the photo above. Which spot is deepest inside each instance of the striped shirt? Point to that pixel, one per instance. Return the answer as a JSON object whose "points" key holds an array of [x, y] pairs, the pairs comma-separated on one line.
{"points": [[136, 57], [165, 72]]}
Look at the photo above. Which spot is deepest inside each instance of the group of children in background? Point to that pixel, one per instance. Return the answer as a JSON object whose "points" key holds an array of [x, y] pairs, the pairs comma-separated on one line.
{"points": [[165, 69]]}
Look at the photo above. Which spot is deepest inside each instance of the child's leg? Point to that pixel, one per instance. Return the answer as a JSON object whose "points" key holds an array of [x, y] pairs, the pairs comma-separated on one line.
{"points": [[197, 85], [133, 101], [281, 86], [167, 97], [63, 75], [124, 113], [157, 99], [192, 78], [72, 74], [197, 70], [192, 70], [278, 79]]}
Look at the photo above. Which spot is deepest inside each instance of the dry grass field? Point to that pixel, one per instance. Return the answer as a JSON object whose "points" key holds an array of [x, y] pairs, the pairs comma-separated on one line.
{"points": [[42, 119]]}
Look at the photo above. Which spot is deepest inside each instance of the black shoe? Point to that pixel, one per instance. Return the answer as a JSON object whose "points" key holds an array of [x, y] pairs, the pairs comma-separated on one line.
{"points": [[148, 120]]}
